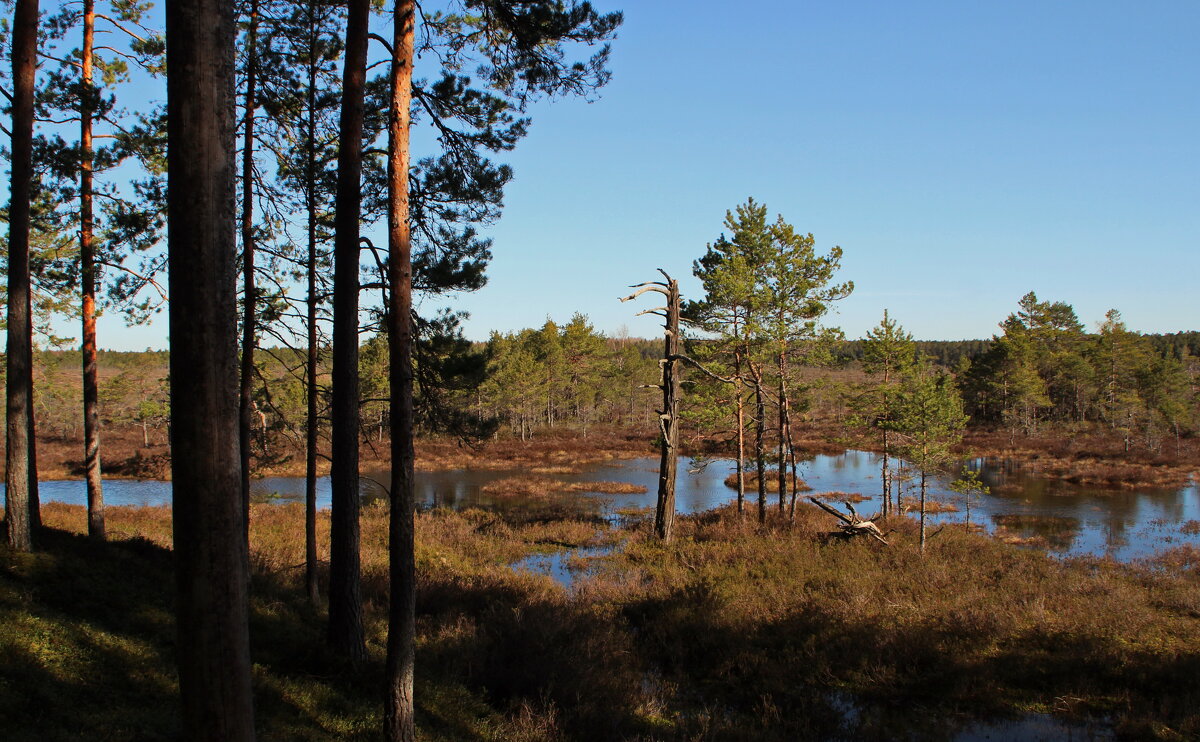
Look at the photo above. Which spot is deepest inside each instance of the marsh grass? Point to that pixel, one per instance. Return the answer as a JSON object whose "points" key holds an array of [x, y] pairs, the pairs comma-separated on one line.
{"points": [[732, 631], [772, 485], [1094, 458], [932, 506]]}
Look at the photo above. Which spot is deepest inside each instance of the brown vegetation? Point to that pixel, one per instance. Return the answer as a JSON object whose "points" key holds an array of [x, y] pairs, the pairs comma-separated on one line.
{"points": [[844, 497], [540, 486], [784, 631], [772, 485], [1094, 457], [932, 507]]}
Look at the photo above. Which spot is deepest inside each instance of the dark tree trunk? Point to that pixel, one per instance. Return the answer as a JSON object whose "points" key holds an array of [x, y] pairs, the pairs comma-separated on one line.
{"points": [[210, 548], [760, 424], [21, 494], [87, 276], [312, 428], [923, 489], [249, 300], [345, 588], [398, 717], [783, 432], [741, 438]]}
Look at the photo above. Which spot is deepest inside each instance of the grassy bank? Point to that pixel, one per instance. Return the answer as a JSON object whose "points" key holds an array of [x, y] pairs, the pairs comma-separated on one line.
{"points": [[732, 632]]}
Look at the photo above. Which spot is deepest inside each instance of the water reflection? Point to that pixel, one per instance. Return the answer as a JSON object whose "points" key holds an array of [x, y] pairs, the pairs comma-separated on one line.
{"points": [[1068, 518]]}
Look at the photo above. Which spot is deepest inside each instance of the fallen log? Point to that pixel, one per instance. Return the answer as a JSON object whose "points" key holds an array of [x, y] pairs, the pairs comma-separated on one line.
{"points": [[852, 525]]}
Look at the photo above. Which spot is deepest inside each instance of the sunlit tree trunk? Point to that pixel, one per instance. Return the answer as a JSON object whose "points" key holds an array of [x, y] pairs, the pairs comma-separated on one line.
{"points": [[398, 719], [21, 492], [210, 548], [87, 276], [345, 582]]}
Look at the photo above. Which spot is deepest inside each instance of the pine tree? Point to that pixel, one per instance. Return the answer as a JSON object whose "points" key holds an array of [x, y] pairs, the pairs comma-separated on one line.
{"points": [[889, 352], [928, 421]]}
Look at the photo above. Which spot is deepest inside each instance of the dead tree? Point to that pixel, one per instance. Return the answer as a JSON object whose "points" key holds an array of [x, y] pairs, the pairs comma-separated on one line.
{"points": [[852, 525], [668, 416]]}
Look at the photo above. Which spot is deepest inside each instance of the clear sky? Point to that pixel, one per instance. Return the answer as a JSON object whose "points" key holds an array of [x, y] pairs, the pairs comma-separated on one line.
{"points": [[961, 153]]}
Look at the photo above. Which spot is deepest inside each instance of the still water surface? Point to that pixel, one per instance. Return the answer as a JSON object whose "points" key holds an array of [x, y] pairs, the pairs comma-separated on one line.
{"points": [[1124, 524]]}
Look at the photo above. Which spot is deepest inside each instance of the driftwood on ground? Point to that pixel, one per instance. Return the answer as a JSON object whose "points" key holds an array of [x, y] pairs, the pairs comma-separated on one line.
{"points": [[852, 525]]}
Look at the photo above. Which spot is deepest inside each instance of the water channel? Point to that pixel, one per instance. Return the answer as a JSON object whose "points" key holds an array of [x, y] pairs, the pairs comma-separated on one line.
{"points": [[1123, 524]]}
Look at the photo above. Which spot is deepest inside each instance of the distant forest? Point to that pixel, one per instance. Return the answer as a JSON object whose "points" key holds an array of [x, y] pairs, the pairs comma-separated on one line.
{"points": [[948, 353], [555, 375]]}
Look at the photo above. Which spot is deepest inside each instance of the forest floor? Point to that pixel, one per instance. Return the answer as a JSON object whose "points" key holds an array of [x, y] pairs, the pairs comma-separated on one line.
{"points": [[733, 631]]}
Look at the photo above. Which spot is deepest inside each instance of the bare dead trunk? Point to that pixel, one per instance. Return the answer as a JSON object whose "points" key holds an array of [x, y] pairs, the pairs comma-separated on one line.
{"points": [[398, 716], [87, 276], [345, 582], [210, 548], [664, 517], [21, 492], [249, 300]]}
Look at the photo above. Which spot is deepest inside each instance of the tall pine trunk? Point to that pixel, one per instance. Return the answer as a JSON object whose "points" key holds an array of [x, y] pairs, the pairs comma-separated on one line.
{"points": [[345, 581], [21, 487], [312, 427], [398, 717], [249, 300], [213, 644], [87, 275]]}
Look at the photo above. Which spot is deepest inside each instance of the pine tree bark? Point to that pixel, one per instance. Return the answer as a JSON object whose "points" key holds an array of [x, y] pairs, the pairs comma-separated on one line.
{"points": [[21, 493], [398, 717], [249, 300], [210, 549], [87, 275], [345, 582], [312, 427]]}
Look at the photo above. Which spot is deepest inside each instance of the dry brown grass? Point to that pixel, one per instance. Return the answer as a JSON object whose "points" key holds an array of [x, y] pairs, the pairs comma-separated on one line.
{"points": [[750, 477], [732, 631], [608, 488], [540, 486], [932, 506], [1094, 457], [850, 497]]}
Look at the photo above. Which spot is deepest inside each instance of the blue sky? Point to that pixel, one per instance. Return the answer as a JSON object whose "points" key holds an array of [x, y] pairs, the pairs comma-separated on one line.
{"points": [[961, 154]]}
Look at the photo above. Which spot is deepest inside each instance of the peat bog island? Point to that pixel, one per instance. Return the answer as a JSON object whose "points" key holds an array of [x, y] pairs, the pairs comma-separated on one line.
{"points": [[394, 465]]}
